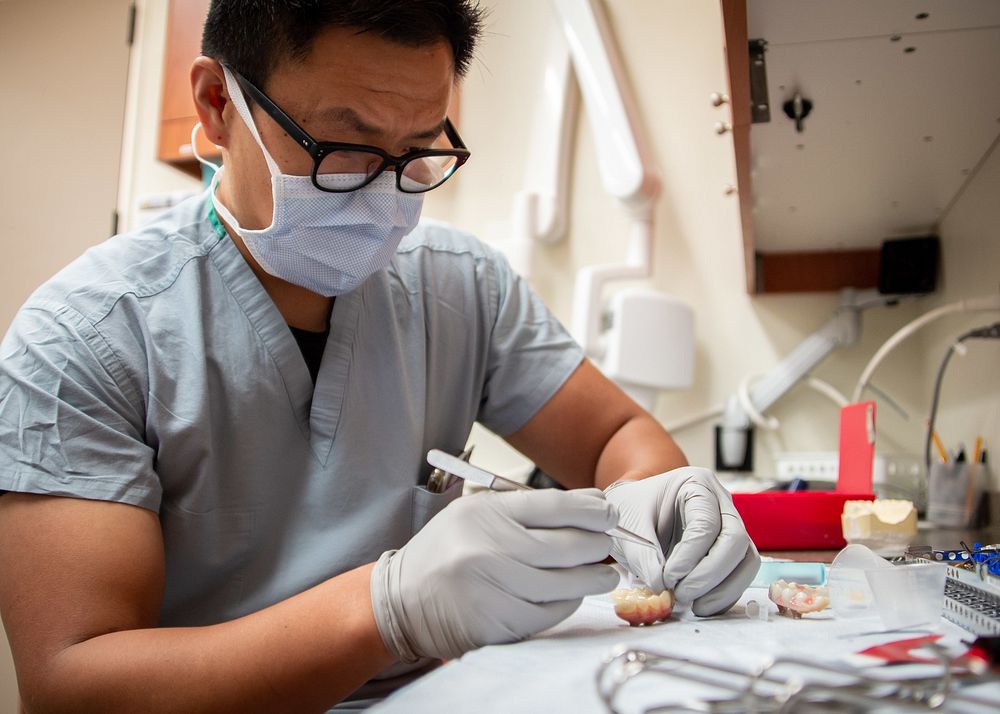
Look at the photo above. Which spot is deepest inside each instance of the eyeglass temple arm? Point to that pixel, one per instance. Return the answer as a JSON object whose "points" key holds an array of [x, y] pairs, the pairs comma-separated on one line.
{"points": [[277, 113]]}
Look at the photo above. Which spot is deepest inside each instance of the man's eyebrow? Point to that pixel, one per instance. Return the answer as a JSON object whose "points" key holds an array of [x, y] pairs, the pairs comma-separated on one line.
{"points": [[430, 134], [346, 115]]}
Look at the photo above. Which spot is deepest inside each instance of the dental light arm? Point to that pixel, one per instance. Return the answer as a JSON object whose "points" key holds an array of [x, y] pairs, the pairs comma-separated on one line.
{"points": [[623, 160], [542, 206]]}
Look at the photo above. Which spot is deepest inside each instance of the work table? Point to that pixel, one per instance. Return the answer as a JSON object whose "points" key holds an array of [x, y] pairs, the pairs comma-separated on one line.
{"points": [[557, 670]]}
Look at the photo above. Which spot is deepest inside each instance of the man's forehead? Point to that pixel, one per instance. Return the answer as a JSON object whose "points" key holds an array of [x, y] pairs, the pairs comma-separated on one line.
{"points": [[369, 54], [366, 65], [348, 117]]}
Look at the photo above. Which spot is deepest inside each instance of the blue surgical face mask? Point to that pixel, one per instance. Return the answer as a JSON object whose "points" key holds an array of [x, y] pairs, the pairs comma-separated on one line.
{"points": [[328, 243]]}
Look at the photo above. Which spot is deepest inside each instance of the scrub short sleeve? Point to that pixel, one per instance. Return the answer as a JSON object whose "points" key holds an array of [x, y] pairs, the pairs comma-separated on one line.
{"points": [[530, 353], [71, 424]]}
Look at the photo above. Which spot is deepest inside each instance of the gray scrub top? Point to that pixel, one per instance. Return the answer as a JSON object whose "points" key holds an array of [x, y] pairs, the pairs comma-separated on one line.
{"points": [[156, 371]]}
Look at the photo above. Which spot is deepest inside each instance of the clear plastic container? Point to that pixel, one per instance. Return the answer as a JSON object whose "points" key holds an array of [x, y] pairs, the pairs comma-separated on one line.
{"points": [[850, 593], [862, 584], [909, 595]]}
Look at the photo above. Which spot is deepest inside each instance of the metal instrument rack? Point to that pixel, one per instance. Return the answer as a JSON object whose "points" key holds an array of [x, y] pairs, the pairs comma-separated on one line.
{"points": [[972, 586]]}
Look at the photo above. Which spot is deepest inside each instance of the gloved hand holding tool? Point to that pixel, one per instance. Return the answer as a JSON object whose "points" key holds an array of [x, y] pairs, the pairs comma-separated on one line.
{"points": [[710, 559], [491, 568]]}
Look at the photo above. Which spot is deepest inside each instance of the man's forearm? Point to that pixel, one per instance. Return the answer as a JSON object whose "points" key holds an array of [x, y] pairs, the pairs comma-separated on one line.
{"points": [[641, 447], [303, 654]]}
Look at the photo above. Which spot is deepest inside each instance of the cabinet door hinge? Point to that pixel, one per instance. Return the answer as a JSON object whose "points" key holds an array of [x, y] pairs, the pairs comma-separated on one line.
{"points": [[760, 107], [130, 29]]}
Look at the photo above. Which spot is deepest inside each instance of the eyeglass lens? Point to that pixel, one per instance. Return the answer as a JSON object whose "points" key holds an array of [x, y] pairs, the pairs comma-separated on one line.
{"points": [[346, 169]]}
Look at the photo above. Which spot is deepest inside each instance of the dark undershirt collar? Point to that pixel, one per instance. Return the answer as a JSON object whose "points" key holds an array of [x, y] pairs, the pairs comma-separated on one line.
{"points": [[311, 344]]}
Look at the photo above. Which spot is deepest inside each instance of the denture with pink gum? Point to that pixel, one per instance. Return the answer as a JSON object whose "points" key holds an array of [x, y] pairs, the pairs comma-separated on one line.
{"points": [[641, 606]]}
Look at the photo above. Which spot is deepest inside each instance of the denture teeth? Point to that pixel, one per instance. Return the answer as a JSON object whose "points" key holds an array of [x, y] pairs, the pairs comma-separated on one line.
{"points": [[797, 598], [626, 607], [641, 606]]}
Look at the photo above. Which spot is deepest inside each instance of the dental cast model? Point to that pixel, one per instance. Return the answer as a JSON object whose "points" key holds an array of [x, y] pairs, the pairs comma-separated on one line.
{"points": [[794, 599], [640, 606]]}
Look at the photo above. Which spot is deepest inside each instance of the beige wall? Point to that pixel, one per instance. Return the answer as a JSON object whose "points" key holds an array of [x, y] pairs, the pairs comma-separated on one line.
{"points": [[970, 392], [60, 134], [673, 55]]}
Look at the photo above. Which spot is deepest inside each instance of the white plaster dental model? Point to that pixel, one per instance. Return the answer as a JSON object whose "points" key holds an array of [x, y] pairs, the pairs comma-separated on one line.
{"points": [[640, 606]]}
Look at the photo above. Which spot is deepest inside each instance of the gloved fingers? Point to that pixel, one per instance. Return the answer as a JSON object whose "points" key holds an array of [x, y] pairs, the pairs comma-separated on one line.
{"points": [[725, 595], [728, 550], [558, 547], [540, 585], [638, 505], [542, 616], [642, 562], [702, 524], [584, 508]]}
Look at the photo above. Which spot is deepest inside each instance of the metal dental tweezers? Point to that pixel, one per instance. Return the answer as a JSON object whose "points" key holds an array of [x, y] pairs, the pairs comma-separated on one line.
{"points": [[457, 467]]}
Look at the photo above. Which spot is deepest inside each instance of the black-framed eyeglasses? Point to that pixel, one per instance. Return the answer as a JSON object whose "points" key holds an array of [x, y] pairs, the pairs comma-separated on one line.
{"points": [[339, 167]]}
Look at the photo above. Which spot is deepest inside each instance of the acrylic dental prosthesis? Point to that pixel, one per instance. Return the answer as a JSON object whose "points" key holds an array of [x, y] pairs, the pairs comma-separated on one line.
{"points": [[794, 599], [641, 606]]}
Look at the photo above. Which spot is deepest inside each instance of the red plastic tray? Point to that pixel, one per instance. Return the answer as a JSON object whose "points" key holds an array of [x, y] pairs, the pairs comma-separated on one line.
{"points": [[795, 520]]}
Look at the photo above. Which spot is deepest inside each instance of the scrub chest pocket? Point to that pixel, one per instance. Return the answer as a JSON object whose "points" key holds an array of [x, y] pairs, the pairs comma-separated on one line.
{"points": [[424, 504]]}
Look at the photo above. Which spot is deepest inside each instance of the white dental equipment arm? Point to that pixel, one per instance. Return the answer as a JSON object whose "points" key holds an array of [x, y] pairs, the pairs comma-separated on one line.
{"points": [[623, 159], [541, 207], [841, 330], [622, 156]]}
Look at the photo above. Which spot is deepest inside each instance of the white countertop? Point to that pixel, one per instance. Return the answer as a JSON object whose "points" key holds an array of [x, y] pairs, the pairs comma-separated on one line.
{"points": [[555, 671]]}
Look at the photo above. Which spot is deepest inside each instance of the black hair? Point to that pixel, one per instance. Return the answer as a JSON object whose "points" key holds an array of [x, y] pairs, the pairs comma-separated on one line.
{"points": [[253, 36]]}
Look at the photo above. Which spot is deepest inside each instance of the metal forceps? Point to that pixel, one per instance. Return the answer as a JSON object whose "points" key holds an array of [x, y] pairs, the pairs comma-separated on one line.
{"points": [[455, 466]]}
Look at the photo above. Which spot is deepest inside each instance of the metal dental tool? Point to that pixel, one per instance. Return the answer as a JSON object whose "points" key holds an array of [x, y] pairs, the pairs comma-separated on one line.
{"points": [[455, 466], [440, 480]]}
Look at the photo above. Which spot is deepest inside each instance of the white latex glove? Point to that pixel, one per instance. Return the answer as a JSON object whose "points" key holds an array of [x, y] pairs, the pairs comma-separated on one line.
{"points": [[710, 559], [493, 568]]}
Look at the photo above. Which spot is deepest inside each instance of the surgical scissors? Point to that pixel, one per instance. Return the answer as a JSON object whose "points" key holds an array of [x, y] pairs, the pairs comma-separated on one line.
{"points": [[464, 470]]}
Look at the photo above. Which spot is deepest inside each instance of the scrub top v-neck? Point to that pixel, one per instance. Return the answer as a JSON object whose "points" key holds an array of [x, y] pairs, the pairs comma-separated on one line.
{"points": [[317, 400]]}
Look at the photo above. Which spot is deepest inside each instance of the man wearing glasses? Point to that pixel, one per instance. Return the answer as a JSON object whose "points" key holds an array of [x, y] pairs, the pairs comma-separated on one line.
{"points": [[212, 430]]}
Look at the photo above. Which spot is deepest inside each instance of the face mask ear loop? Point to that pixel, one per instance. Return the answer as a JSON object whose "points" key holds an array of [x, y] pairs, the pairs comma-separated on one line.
{"points": [[194, 149], [216, 170], [240, 102]]}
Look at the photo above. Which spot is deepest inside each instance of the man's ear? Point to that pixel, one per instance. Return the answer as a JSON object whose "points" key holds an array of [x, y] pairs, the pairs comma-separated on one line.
{"points": [[208, 88]]}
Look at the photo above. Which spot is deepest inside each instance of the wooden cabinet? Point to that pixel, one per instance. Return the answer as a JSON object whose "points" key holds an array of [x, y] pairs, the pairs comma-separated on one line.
{"points": [[779, 271], [734, 13], [177, 115], [903, 106]]}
